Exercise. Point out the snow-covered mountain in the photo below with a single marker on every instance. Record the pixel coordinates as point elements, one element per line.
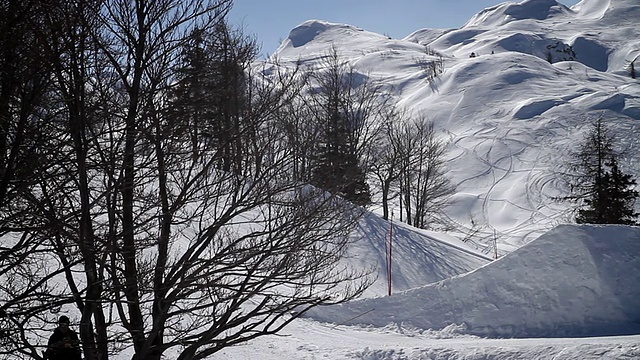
<point>509,115</point>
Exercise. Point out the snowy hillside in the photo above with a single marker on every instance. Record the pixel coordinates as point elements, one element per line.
<point>419,257</point>
<point>508,114</point>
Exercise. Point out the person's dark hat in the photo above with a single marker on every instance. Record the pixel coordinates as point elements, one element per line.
<point>63,320</point>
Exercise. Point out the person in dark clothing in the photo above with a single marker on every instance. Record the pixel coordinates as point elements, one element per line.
<point>63,343</point>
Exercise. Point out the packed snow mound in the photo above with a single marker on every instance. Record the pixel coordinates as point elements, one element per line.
<point>509,11</point>
<point>572,281</point>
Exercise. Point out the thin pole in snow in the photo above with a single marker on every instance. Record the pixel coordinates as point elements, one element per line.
<point>390,253</point>
<point>495,245</point>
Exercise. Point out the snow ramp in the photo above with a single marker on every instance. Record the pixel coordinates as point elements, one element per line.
<point>572,281</point>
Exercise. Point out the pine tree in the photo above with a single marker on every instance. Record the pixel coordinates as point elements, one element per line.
<point>189,96</point>
<point>337,169</point>
<point>209,97</point>
<point>344,109</point>
<point>621,196</point>
<point>596,210</point>
<point>606,191</point>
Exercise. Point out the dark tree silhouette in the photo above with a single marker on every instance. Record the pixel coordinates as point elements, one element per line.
<point>596,180</point>
<point>347,107</point>
<point>613,201</point>
<point>153,238</point>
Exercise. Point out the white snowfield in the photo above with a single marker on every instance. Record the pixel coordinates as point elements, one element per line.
<point>510,117</point>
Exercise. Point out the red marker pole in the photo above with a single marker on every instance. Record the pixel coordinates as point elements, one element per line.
<point>390,252</point>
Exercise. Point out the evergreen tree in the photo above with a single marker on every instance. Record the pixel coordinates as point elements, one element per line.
<point>596,210</point>
<point>337,169</point>
<point>617,204</point>
<point>622,196</point>
<point>598,181</point>
<point>345,105</point>
<point>210,96</point>
<point>189,97</point>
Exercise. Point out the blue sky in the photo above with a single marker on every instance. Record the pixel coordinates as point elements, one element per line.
<point>271,20</point>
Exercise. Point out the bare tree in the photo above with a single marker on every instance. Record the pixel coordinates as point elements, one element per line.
<point>27,110</point>
<point>424,186</point>
<point>409,162</point>
<point>24,85</point>
<point>134,229</point>
<point>387,166</point>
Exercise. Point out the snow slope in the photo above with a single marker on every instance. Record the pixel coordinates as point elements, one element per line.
<point>572,281</point>
<point>508,115</point>
<point>419,257</point>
